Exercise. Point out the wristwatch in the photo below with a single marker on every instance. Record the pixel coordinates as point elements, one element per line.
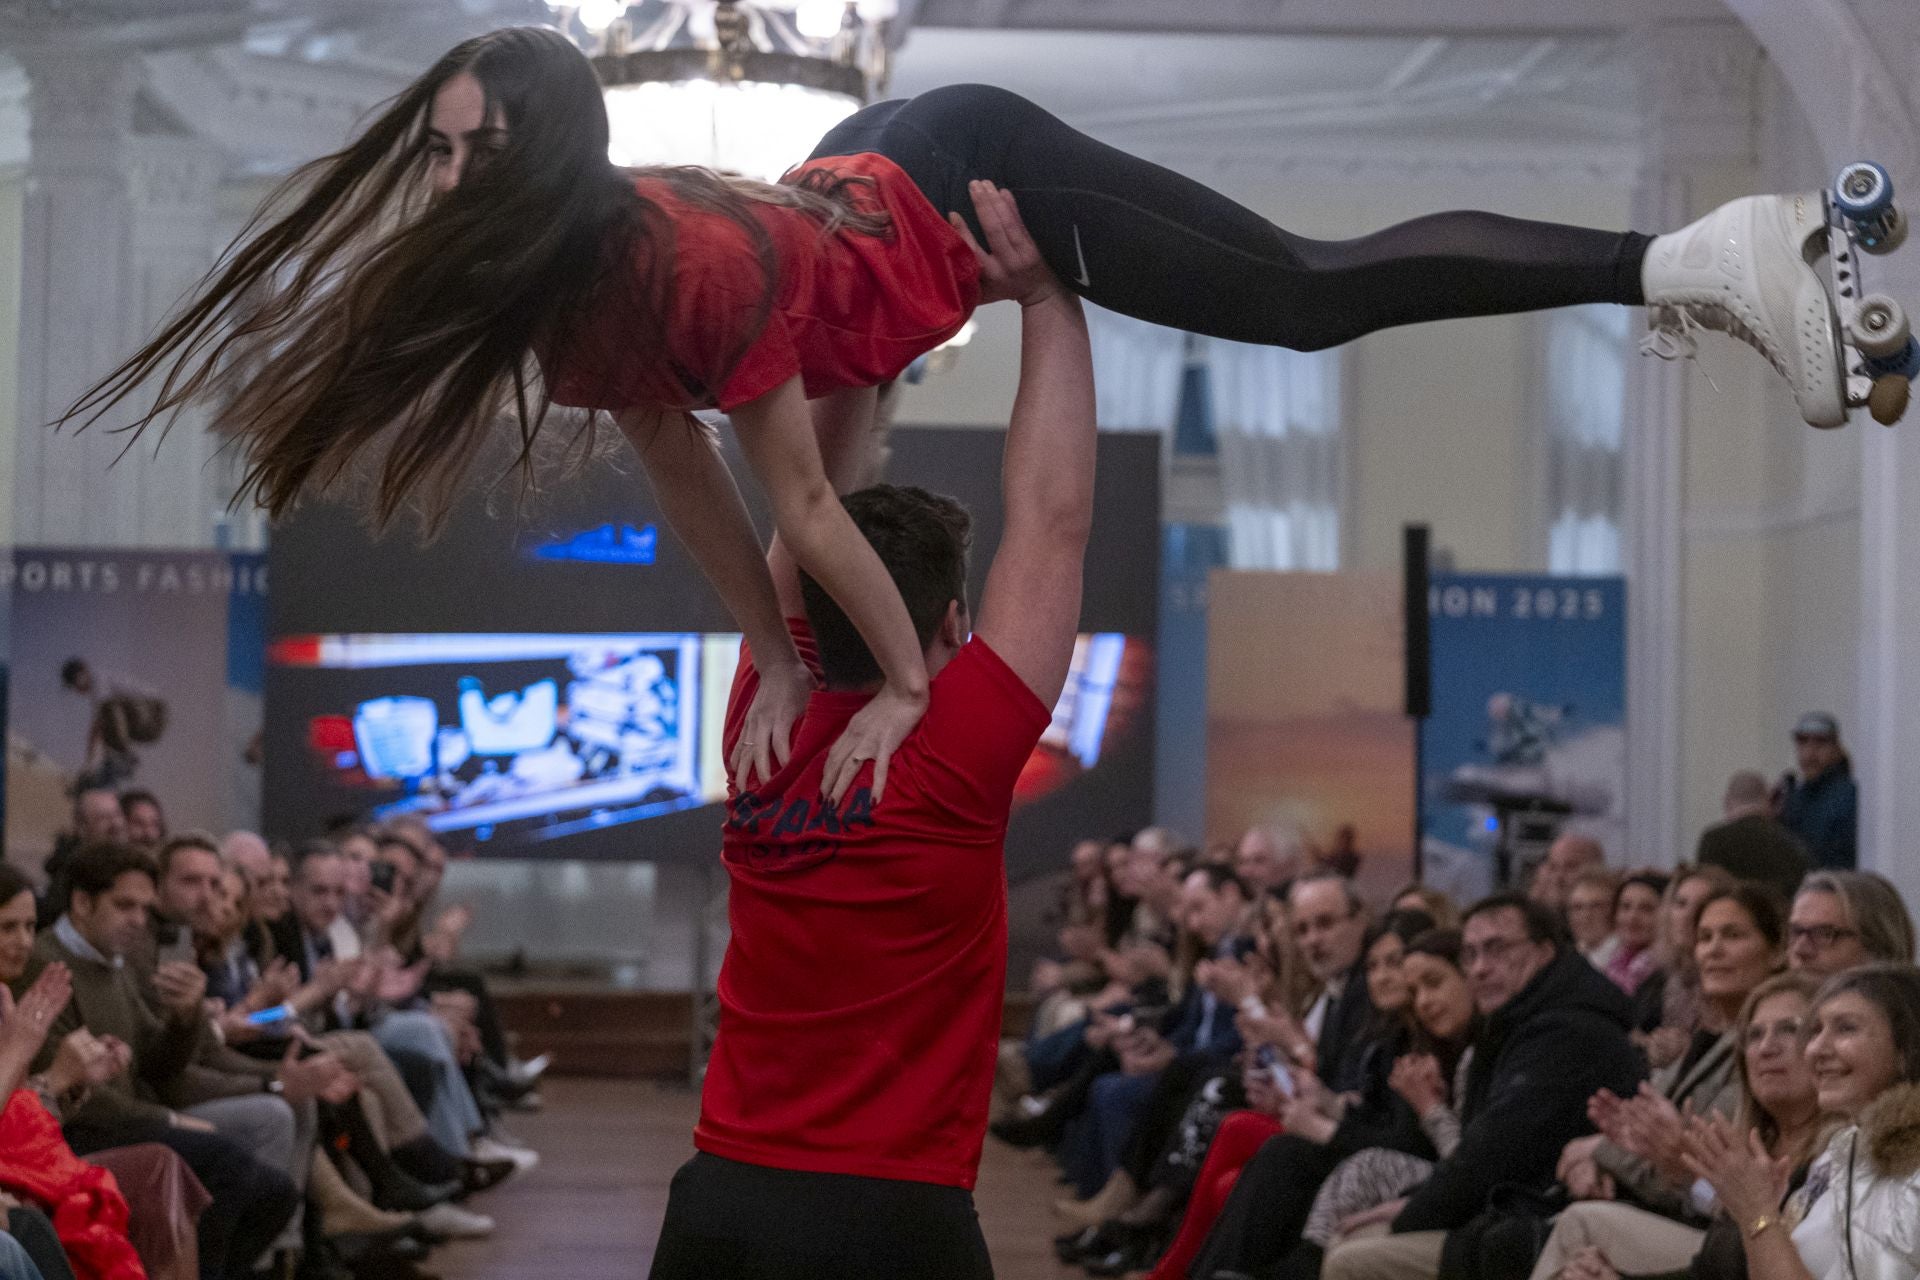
<point>1762,1223</point>
<point>272,1084</point>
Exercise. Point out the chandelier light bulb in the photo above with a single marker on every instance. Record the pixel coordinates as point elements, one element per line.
<point>598,15</point>
<point>819,19</point>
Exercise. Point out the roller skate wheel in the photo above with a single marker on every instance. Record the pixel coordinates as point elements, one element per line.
<point>1880,327</point>
<point>1892,233</point>
<point>1887,401</point>
<point>1863,191</point>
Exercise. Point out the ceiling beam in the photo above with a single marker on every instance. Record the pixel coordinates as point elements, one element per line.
<point>1319,17</point>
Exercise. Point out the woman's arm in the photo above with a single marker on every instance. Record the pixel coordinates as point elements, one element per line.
<point>777,435</point>
<point>702,505</point>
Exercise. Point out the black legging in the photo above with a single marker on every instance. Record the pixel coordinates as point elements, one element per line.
<point>731,1221</point>
<point>1146,242</point>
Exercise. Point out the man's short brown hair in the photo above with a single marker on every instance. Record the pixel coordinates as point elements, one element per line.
<point>922,538</point>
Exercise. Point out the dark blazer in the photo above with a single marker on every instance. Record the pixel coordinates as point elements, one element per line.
<point>1341,1050</point>
<point>1756,848</point>
<point>1184,1022</point>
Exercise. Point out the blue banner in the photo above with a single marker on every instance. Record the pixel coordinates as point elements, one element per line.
<point>1527,735</point>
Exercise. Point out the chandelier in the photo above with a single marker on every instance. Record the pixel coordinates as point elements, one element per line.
<point>743,86</point>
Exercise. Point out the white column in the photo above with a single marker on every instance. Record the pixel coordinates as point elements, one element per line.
<point>1697,107</point>
<point>118,225</point>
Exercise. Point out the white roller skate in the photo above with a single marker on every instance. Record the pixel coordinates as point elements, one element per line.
<point>1745,270</point>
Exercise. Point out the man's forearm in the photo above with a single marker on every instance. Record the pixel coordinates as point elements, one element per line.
<point>1052,438</point>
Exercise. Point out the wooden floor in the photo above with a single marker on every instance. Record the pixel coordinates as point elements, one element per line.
<point>608,1148</point>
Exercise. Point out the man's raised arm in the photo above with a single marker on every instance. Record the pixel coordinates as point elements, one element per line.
<point>1030,612</point>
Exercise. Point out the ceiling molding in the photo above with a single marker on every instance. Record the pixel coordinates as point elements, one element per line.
<point>1295,17</point>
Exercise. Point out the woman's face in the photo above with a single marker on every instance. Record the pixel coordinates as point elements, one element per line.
<point>16,935</point>
<point>1384,983</point>
<point>1776,1052</point>
<point>1686,900</point>
<point>1441,998</point>
<point>359,852</point>
<point>1852,1054</point>
<point>1637,917</point>
<point>1733,956</point>
<point>459,131</point>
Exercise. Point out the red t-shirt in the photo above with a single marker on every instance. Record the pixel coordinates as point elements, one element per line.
<point>862,989</point>
<point>848,309</point>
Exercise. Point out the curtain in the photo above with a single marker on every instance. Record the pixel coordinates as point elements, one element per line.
<point>1136,371</point>
<point>1584,390</point>
<point>1277,418</point>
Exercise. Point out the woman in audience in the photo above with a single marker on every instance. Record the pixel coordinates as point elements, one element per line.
<point>1859,1212</point>
<point>1600,1240</point>
<point>270,898</point>
<point>1844,919</point>
<point>1669,1005</point>
<point>1636,925</point>
<point>1368,1187</point>
<point>1739,942</point>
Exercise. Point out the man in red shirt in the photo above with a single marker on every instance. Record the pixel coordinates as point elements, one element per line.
<point>846,1102</point>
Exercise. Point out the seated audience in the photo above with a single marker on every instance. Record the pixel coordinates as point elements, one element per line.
<point>96,816</point>
<point>1603,1239</point>
<point>146,820</point>
<point>1844,919</point>
<point>160,1026</point>
<point>1566,858</point>
<point>1435,902</point>
<point>1858,1215</point>
<point>1266,859</point>
<point>1555,1034</point>
<point>1636,930</point>
<point>1750,843</point>
<point>1667,1007</point>
<point>1590,915</point>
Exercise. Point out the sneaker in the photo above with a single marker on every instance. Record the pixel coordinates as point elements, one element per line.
<point>1743,270</point>
<point>486,1150</point>
<point>529,1071</point>
<point>454,1223</point>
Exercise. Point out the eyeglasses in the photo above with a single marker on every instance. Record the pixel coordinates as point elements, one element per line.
<point>1820,935</point>
<point>1493,951</point>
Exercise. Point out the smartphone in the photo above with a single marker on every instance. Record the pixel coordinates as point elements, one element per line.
<point>176,947</point>
<point>270,1017</point>
<point>380,875</point>
<point>1268,1059</point>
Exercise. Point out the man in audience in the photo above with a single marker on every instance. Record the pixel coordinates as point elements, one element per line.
<point>1822,805</point>
<point>1750,844</point>
<point>845,1107</point>
<point>1556,1033</point>
<point>146,820</point>
<point>1160,1065</point>
<point>1330,927</point>
<point>1266,859</point>
<point>158,1030</point>
<point>1566,858</point>
<point>96,817</point>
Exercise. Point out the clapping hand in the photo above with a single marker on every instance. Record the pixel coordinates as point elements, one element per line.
<point>1742,1172</point>
<point>1416,1077</point>
<point>83,1060</point>
<point>180,987</point>
<point>24,1024</point>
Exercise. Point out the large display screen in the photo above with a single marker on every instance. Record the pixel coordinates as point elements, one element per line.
<point>555,685</point>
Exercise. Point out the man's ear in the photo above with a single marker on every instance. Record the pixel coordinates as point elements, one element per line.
<point>953,627</point>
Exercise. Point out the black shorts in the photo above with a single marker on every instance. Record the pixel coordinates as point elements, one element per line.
<point>732,1221</point>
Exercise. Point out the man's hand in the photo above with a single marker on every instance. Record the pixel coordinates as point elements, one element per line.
<point>278,981</point>
<point>1367,1217</point>
<point>1416,1077</point>
<point>1230,980</point>
<point>1305,1120</point>
<point>1010,266</point>
<point>180,988</point>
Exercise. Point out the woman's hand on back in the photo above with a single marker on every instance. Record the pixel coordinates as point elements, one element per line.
<point>875,733</point>
<point>766,740</point>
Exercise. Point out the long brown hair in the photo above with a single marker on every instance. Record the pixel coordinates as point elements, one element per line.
<point>358,317</point>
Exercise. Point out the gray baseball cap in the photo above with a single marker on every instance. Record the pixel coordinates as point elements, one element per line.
<point>1817,724</point>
